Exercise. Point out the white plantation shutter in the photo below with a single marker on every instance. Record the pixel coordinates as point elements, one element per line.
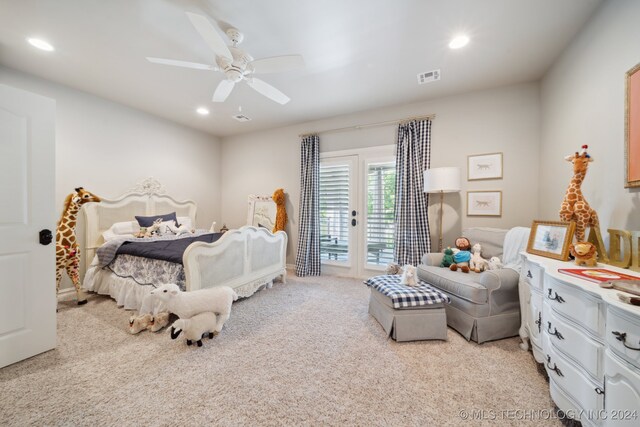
<point>334,211</point>
<point>380,212</point>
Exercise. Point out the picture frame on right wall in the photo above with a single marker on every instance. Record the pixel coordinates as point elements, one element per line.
<point>484,203</point>
<point>632,127</point>
<point>484,166</point>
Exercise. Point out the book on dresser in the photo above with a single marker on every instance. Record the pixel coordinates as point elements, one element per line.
<point>597,275</point>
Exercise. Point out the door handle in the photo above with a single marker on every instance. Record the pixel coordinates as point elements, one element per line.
<point>45,237</point>
<point>353,213</point>
<point>353,222</point>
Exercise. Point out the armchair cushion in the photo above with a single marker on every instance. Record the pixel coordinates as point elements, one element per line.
<point>462,285</point>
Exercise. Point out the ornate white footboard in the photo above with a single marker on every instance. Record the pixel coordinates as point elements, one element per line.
<point>244,259</point>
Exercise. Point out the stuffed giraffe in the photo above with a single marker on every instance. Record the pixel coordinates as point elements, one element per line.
<point>574,206</point>
<point>67,251</point>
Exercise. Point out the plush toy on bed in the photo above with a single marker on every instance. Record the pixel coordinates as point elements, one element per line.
<point>447,259</point>
<point>463,256</point>
<point>409,276</point>
<point>195,328</point>
<point>477,263</point>
<point>281,210</point>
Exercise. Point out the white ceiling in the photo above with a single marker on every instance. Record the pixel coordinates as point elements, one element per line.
<point>359,54</point>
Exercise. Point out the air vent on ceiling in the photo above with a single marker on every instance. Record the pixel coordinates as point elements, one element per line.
<point>241,118</point>
<point>428,77</point>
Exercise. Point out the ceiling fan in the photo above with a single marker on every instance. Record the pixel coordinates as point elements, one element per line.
<point>236,64</point>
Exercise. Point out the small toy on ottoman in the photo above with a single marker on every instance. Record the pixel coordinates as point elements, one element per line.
<point>408,276</point>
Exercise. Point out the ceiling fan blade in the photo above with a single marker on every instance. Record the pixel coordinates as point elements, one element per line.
<point>210,35</point>
<point>277,64</point>
<point>269,91</point>
<point>223,90</point>
<point>184,64</point>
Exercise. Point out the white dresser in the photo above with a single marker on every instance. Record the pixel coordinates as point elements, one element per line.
<point>588,340</point>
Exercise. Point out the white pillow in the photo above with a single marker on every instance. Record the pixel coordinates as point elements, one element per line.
<point>121,229</point>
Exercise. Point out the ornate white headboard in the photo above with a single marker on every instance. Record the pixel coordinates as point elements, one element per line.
<point>146,198</point>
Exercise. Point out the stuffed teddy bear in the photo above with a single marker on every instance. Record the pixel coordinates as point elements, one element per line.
<point>408,276</point>
<point>477,263</point>
<point>585,253</point>
<point>494,263</point>
<point>281,210</point>
<point>461,259</point>
<point>393,268</point>
<point>447,259</point>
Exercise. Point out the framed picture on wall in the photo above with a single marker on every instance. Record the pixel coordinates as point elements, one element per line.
<point>484,166</point>
<point>484,203</point>
<point>261,212</point>
<point>632,127</point>
<point>551,239</point>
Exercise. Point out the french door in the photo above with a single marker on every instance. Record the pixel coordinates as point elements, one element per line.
<point>357,199</point>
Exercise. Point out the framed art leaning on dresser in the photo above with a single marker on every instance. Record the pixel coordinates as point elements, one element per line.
<point>551,239</point>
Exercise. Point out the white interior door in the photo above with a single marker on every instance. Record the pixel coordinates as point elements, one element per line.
<point>27,186</point>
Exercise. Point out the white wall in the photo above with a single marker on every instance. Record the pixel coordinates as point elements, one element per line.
<point>107,148</point>
<point>582,102</point>
<point>499,120</point>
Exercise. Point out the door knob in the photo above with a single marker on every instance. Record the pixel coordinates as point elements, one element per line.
<point>353,213</point>
<point>45,237</point>
<point>353,222</point>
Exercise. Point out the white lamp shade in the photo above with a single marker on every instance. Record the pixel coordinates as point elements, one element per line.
<point>445,180</point>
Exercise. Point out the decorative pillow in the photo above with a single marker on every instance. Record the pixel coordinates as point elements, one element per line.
<point>185,220</point>
<point>147,221</point>
<point>121,229</point>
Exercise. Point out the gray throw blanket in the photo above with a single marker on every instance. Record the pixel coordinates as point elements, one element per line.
<point>107,252</point>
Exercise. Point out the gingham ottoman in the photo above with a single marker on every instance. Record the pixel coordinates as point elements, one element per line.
<point>408,313</point>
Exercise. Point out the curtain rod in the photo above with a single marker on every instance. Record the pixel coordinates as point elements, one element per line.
<point>368,125</point>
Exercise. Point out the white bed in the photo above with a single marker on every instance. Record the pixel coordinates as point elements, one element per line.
<point>246,259</point>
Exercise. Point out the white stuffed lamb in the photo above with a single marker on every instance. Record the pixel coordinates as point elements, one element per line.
<point>408,276</point>
<point>495,263</point>
<point>187,304</point>
<point>477,263</point>
<point>195,328</point>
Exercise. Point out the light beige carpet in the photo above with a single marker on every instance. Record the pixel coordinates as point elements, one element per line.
<point>302,353</point>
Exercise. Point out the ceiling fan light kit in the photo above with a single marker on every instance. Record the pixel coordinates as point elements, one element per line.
<point>236,64</point>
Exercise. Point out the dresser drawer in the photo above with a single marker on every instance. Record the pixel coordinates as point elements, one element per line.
<point>622,392</point>
<point>573,342</point>
<point>573,381</point>
<point>533,274</point>
<point>575,304</point>
<point>623,335</point>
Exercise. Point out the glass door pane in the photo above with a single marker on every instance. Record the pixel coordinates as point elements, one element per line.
<point>380,212</point>
<point>335,215</point>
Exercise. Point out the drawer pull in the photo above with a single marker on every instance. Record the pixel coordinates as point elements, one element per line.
<point>622,336</point>
<point>555,367</point>
<point>599,390</point>
<point>555,298</point>
<point>555,332</point>
<point>529,275</point>
<point>539,322</point>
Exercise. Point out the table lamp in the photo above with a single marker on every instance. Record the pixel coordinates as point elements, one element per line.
<point>442,180</point>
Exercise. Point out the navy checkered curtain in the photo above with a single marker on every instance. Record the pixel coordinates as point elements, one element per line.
<point>413,152</point>
<point>308,256</point>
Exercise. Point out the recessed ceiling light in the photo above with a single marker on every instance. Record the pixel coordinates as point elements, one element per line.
<point>202,111</point>
<point>459,41</point>
<point>40,44</point>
